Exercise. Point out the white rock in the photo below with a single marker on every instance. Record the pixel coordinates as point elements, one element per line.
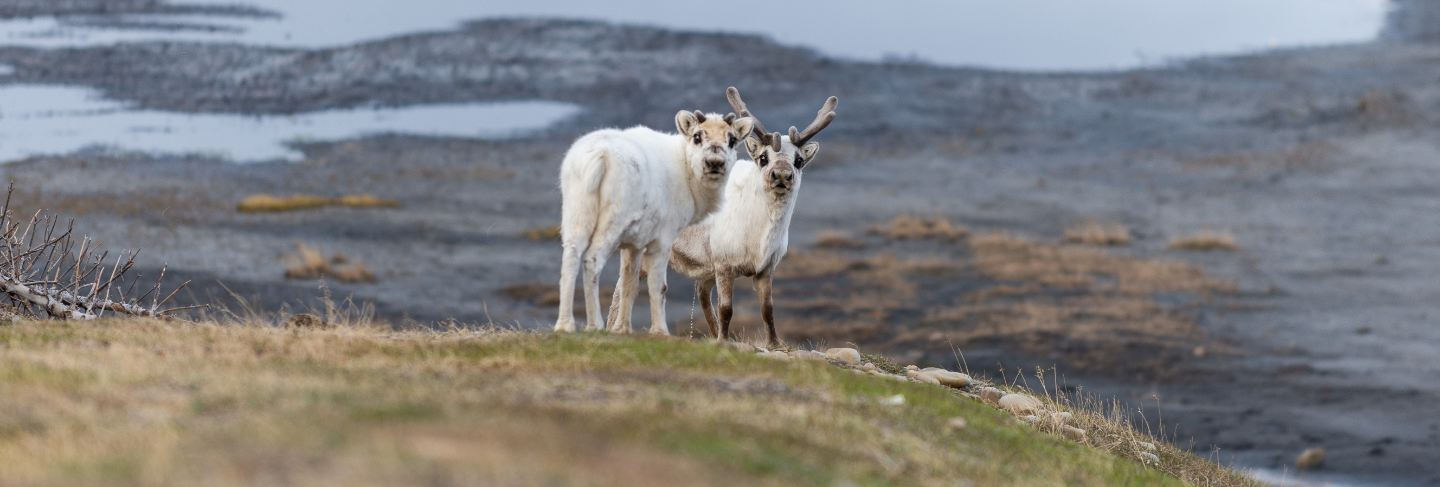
<point>1061,417</point>
<point>1073,433</point>
<point>1148,458</point>
<point>911,367</point>
<point>948,377</point>
<point>991,395</point>
<point>895,400</point>
<point>1148,446</point>
<point>1020,404</point>
<point>847,356</point>
<point>1031,419</point>
<point>869,367</point>
<point>922,377</point>
<point>956,423</point>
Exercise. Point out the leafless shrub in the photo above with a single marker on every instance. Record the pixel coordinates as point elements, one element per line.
<point>47,272</point>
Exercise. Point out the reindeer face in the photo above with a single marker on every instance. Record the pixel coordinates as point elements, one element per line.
<point>710,142</point>
<point>781,163</point>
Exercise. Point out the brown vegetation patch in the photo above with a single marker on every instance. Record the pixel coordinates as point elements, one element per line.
<point>310,263</point>
<point>835,239</point>
<point>264,203</point>
<point>543,233</point>
<point>1306,155</point>
<point>1206,241</point>
<point>1098,233</point>
<point>910,227</point>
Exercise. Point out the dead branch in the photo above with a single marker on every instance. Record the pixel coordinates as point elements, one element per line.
<point>47,273</point>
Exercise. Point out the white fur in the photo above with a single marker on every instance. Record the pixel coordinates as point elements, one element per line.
<point>635,189</point>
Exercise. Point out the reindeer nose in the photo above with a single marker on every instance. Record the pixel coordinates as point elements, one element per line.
<point>715,165</point>
<point>783,175</point>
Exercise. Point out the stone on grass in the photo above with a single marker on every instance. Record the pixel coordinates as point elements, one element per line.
<point>1061,417</point>
<point>848,356</point>
<point>1030,419</point>
<point>1020,404</point>
<point>1148,446</point>
<point>956,423</point>
<point>911,367</point>
<point>948,377</point>
<point>923,377</point>
<point>991,395</point>
<point>869,367</point>
<point>1073,433</point>
<point>1310,459</point>
<point>1148,458</point>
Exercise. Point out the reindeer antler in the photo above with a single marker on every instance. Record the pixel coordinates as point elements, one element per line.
<point>822,120</point>
<point>758,129</point>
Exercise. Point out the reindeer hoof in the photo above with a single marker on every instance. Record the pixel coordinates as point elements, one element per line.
<point>564,326</point>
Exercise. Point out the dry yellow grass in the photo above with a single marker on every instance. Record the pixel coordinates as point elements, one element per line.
<point>264,203</point>
<point>1205,241</point>
<point>835,239</point>
<point>1098,234</point>
<point>309,263</point>
<point>910,227</point>
<point>138,402</point>
<point>1007,257</point>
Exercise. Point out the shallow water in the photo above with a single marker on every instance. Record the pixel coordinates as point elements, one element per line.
<point>1009,34</point>
<point>53,120</point>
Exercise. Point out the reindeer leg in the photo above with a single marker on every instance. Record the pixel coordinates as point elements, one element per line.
<point>726,285</point>
<point>763,286</point>
<point>623,300</point>
<point>702,291</point>
<point>657,259</point>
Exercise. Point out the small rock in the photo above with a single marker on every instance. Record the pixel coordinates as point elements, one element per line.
<point>991,395</point>
<point>847,356</point>
<point>775,355</point>
<point>1310,459</point>
<point>1030,419</point>
<point>1199,352</point>
<point>807,355</point>
<point>922,377</point>
<point>1061,417</point>
<point>1073,433</point>
<point>956,423</point>
<point>1147,446</point>
<point>911,367</point>
<point>948,377</point>
<point>1148,458</point>
<point>741,347</point>
<point>1020,404</point>
<point>869,367</point>
<point>895,400</point>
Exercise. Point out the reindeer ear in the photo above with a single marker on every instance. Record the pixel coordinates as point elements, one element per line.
<point>754,146</point>
<point>806,155</point>
<point>685,122</point>
<point>743,126</point>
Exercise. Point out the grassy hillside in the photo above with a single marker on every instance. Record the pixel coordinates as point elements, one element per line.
<point>151,403</point>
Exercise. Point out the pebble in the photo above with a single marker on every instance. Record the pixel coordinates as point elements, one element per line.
<point>774,355</point>
<point>1073,433</point>
<point>956,423</point>
<point>1310,459</point>
<point>923,377</point>
<point>1148,446</point>
<point>991,395</point>
<point>895,400</point>
<point>847,356</point>
<point>1148,458</point>
<point>948,377</point>
<point>869,367</point>
<point>1020,403</point>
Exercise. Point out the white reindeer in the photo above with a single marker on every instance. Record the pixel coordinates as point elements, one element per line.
<point>749,234</point>
<point>634,189</point>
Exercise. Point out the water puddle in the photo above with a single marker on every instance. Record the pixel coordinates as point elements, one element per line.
<point>56,120</point>
<point>1010,34</point>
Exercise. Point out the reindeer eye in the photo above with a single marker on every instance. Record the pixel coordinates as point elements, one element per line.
<point>799,161</point>
<point>733,140</point>
<point>764,159</point>
<point>696,139</point>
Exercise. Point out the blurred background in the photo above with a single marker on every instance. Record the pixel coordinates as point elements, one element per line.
<point>1220,213</point>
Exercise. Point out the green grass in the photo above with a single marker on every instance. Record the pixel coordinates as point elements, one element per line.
<point>149,403</point>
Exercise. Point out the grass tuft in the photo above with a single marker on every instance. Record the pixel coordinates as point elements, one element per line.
<point>264,203</point>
